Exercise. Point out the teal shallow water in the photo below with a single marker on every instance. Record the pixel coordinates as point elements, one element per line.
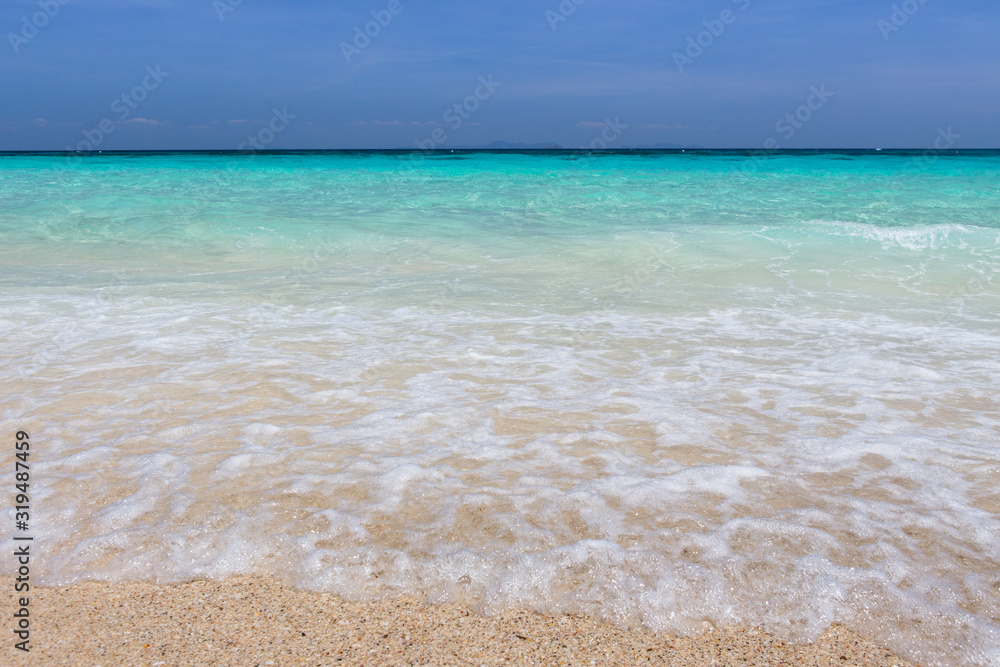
<point>656,388</point>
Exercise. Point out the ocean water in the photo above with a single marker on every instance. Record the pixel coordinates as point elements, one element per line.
<point>663,389</point>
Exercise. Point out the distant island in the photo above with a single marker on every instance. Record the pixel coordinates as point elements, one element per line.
<point>502,145</point>
<point>507,145</point>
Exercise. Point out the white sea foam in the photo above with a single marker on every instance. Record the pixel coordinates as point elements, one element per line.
<point>649,470</point>
<point>925,237</point>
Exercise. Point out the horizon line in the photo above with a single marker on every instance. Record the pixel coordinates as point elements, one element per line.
<point>554,149</point>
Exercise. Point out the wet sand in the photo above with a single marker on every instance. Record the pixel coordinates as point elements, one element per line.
<point>254,621</point>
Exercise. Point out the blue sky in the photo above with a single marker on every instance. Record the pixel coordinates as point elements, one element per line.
<point>221,73</point>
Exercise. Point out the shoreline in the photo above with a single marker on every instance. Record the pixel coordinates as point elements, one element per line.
<point>258,621</point>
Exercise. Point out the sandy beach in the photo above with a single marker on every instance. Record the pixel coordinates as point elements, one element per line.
<point>252,621</point>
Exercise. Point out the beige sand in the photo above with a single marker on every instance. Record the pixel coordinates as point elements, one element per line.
<point>251,621</point>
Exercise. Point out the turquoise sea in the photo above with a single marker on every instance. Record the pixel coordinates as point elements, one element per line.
<point>659,388</point>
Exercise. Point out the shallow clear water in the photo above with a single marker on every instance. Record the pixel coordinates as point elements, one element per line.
<point>661,389</point>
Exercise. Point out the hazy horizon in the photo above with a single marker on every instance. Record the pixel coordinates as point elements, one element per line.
<point>393,74</point>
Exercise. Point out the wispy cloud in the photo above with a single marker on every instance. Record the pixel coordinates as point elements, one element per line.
<point>398,123</point>
<point>655,126</point>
